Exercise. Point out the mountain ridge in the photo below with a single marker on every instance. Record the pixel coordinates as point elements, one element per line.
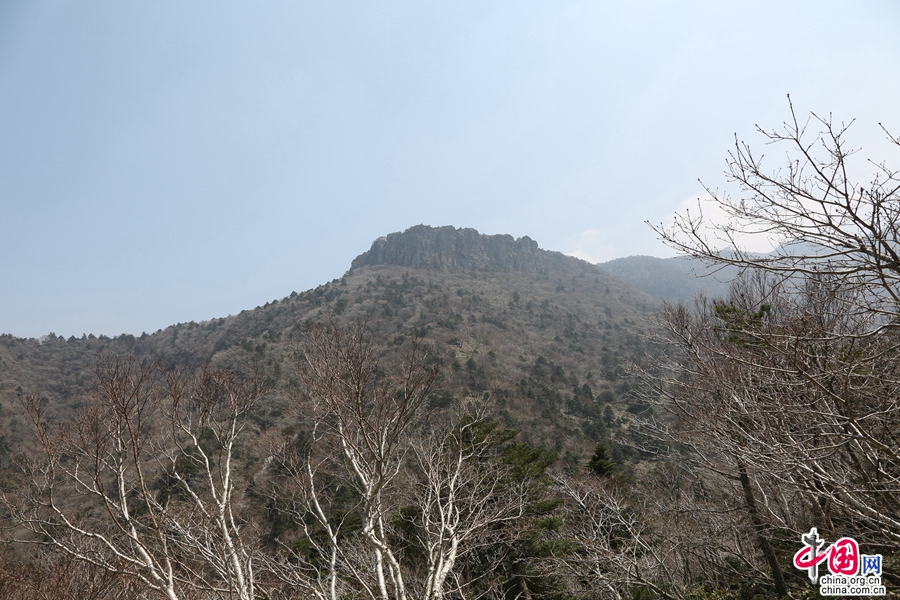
<point>450,248</point>
<point>675,279</point>
<point>447,248</point>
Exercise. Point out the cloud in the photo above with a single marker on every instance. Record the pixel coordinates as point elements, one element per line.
<point>590,245</point>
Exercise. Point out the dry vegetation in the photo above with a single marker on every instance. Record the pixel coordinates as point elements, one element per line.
<point>412,433</point>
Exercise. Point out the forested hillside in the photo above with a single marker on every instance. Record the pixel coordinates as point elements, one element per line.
<point>463,416</point>
<point>531,344</point>
<point>545,335</point>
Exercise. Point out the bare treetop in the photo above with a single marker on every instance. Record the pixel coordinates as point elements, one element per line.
<point>827,222</point>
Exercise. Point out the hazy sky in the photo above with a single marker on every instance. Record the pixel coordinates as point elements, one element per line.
<point>163,162</point>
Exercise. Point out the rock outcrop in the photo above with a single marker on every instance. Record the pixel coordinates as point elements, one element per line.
<point>449,248</point>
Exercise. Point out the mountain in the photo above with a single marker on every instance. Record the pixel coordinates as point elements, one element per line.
<point>449,249</point>
<point>676,279</point>
<point>541,336</point>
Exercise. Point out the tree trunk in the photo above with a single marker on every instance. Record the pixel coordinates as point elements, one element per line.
<point>761,539</point>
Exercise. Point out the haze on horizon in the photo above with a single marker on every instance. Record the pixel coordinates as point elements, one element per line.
<point>167,162</point>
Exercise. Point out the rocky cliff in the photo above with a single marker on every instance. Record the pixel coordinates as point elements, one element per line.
<point>450,249</point>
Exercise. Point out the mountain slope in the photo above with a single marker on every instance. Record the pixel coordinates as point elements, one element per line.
<point>539,335</point>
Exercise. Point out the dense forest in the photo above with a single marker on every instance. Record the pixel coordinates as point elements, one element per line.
<point>464,416</point>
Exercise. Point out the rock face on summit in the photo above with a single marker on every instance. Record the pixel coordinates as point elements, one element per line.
<point>449,248</point>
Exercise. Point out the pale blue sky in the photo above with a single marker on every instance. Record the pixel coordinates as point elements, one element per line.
<point>163,162</point>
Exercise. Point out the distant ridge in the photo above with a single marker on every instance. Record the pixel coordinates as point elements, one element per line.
<point>674,279</point>
<point>450,249</point>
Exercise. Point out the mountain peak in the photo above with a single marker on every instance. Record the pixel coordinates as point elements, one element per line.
<point>449,249</point>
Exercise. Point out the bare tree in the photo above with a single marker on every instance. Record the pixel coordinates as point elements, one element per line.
<point>670,534</point>
<point>142,482</point>
<point>796,371</point>
<point>464,500</point>
<point>808,345</point>
<point>390,504</point>
<point>359,414</point>
<point>617,550</point>
<point>50,576</point>
<point>829,225</point>
<point>797,394</point>
<point>366,412</point>
<point>207,413</point>
<point>789,387</point>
